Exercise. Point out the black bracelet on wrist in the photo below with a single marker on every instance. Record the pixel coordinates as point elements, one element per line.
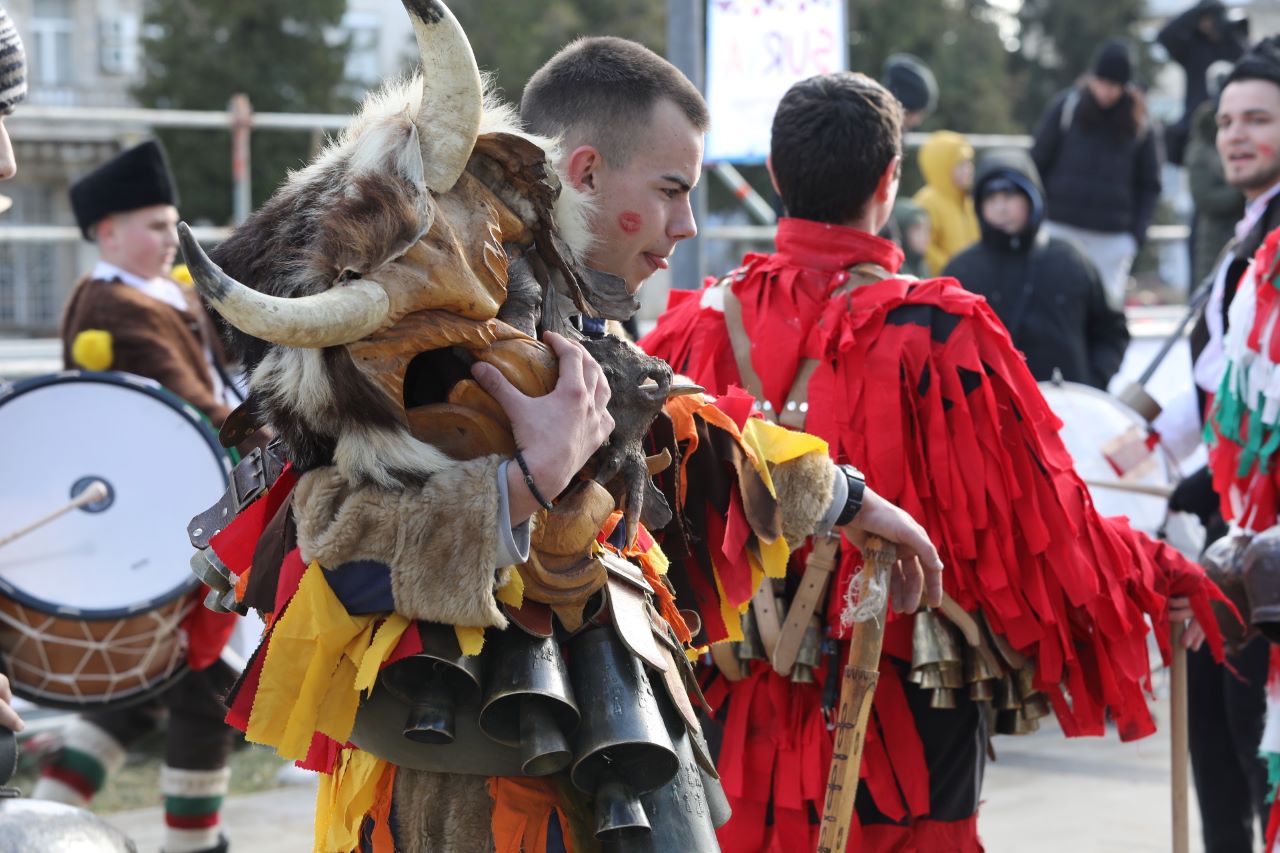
<point>528,481</point>
<point>853,501</point>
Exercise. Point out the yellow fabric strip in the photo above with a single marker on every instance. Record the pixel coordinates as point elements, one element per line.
<point>319,659</point>
<point>385,639</point>
<point>470,640</point>
<point>344,798</point>
<point>729,612</point>
<point>772,445</point>
<point>512,592</point>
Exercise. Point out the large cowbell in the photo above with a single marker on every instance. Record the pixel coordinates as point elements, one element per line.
<point>684,813</point>
<point>622,747</point>
<point>433,683</point>
<point>529,701</point>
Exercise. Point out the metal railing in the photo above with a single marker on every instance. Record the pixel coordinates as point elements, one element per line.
<point>240,120</point>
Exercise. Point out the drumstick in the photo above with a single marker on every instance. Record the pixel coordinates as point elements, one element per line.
<point>1139,488</point>
<point>96,491</point>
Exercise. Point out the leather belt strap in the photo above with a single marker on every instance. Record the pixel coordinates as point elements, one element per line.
<point>741,346</point>
<point>813,587</point>
<point>249,480</point>
<point>768,621</point>
<point>782,644</point>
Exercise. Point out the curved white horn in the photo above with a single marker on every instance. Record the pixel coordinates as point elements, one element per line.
<point>452,98</point>
<point>340,315</point>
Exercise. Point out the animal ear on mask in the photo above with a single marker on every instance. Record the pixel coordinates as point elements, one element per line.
<point>392,148</point>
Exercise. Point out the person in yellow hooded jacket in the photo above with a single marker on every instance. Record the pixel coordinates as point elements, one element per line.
<point>946,161</point>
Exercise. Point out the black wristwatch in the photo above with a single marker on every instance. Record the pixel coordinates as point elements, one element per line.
<point>853,501</point>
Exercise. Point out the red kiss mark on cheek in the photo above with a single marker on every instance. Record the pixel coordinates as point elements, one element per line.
<point>1267,150</point>
<point>629,221</point>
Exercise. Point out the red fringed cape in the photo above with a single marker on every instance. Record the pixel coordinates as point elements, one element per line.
<point>920,386</point>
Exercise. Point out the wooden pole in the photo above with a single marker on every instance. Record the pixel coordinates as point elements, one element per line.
<point>857,690</point>
<point>1178,737</point>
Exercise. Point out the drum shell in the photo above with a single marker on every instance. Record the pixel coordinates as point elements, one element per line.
<point>44,664</point>
<point>92,604</point>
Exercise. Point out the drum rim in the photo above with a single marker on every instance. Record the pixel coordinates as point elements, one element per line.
<point>124,700</point>
<point>153,389</point>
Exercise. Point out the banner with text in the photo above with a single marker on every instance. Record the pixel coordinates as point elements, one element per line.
<point>755,50</point>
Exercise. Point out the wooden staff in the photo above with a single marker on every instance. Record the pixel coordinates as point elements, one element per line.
<point>857,689</point>
<point>1179,743</point>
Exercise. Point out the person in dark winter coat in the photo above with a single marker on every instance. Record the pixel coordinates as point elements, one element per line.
<point>1043,288</point>
<point>1097,154</point>
<point>1195,39</point>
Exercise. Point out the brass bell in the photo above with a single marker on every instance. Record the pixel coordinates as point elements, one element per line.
<point>932,642</point>
<point>750,647</point>
<point>1036,707</point>
<point>432,682</point>
<point>529,702</point>
<point>943,698</point>
<point>982,691</point>
<point>1025,679</point>
<point>622,748</point>
<point>928,678</point>
<point>809,655</point>
<point>1007,698</point>
<point>952,675</point>
<point>1014,723</point>
<point>980,665</point>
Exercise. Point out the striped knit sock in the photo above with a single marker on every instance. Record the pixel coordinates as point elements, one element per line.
<point>192,800</point>
<point>79,770</point>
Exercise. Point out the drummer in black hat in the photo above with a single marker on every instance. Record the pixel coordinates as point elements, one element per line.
<point>130,315</point>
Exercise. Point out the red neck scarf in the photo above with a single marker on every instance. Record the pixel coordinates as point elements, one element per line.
<point>783,294</point>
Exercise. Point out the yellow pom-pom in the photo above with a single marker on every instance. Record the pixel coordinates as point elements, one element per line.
<point>182,275</point>
<point>92,350</point>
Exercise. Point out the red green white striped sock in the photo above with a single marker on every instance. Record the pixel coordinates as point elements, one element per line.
<point>79,770</point>
<point>192,802</point>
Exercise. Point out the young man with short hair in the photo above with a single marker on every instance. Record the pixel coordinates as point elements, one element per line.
<point>915,382</point>
<point>1227,708</point>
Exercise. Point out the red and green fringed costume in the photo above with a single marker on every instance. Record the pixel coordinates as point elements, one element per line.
<point>1243,434</point>
<point>919,385</point>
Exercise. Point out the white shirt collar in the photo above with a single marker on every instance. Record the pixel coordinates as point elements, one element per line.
<point>1253,211</point>
<point>163,289</point>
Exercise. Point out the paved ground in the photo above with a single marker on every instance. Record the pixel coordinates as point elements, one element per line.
<point>1045,794</point>
<point>1048,794</point>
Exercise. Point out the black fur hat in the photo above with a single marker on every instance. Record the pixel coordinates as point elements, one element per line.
<point>138,177</point>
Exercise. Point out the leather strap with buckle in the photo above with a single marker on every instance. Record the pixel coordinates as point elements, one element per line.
<point>249,480</point>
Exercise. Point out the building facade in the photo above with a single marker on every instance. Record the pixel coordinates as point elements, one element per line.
<point>87,54</point>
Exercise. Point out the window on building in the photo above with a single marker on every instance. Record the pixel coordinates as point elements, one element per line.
<point>118,45</point>
<point>50,49</point>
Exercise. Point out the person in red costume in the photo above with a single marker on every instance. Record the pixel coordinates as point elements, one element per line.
<point>917,383</point>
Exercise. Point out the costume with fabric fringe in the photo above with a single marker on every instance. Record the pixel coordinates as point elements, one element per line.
<point>462,685</point>
<point>918,385</point>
